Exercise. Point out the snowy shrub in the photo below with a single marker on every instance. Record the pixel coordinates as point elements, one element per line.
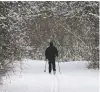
<point>93,65</point>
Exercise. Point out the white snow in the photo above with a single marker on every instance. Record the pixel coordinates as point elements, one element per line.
<point>74,77</point>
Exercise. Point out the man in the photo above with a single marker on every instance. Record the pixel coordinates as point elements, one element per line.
<point>50,54</point>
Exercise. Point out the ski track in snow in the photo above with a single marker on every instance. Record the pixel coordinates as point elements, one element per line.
<point>75,77</point>
<point>55,84</point>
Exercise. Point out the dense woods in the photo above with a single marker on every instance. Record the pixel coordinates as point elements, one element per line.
<point>26,28</point>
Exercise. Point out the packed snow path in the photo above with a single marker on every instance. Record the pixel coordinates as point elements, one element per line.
<point>75,77</point>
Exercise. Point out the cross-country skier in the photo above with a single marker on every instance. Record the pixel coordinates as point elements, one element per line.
<point>50,54</point>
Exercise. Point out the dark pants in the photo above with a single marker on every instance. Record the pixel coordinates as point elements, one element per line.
<point>52,65</point>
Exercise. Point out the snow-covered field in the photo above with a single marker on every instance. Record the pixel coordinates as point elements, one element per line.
<point>74,77</point>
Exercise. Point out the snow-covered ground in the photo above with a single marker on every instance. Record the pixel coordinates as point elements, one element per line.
<point>75,77</point>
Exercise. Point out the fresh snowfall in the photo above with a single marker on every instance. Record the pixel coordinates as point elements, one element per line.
<point>30,77</point>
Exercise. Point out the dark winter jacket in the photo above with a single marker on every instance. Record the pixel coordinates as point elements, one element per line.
<point>51,52</point>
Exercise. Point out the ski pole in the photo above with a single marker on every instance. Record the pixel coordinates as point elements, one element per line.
<point>59,67</point>
<point>45,67</point>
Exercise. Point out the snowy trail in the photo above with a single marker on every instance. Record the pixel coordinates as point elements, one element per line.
<point>55,84</point>
<point>75,77</point>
